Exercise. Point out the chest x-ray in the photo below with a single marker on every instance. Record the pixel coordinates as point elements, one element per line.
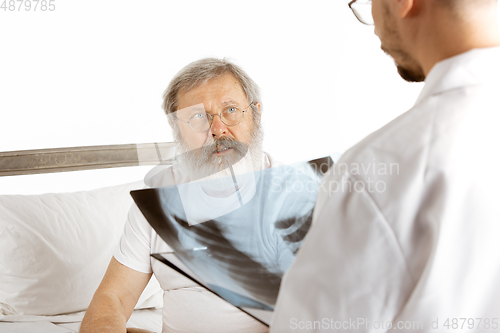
<point>236,235</point>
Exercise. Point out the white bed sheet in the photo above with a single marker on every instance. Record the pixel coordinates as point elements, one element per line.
<point>150,319</point>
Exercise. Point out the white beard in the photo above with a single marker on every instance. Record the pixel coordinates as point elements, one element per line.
<point>202,164</point>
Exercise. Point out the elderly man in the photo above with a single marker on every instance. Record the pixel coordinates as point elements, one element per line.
<point>224,184</point>
<point>422,254</point>
<point>220,88</point>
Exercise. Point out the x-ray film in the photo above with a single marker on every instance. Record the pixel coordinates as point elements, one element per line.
<point>236,235</point>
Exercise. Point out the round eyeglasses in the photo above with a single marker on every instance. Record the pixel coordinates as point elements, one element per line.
<point>230,116</point>
<point>362,9</point>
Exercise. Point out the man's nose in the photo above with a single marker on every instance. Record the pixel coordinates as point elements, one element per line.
<point>218,128</point>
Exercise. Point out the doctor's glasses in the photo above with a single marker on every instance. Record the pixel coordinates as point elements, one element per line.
<point>362,9</point>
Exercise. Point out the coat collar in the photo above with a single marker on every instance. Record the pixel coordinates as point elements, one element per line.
<point>470,68</point>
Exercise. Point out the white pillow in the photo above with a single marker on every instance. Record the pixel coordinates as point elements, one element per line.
<point>55,248</point>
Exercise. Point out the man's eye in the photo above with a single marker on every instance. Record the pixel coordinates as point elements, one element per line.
<point>230,110</point>
<point>198,116</point>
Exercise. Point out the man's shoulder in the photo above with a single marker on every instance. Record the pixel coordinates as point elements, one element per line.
<point>160,176</point>
<point>392,140</point>
<point>453,88</point>
<point>428,135</point>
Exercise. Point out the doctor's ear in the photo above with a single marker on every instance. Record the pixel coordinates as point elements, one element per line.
<point>405,8</point>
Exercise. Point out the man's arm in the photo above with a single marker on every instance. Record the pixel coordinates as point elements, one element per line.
<point>349,267</point>
<point>115,299</point>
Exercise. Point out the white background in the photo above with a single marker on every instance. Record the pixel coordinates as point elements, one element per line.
<point>93,73</point>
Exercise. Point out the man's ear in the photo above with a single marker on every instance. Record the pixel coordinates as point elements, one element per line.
<point>257,105</point>
<point>405,8</point>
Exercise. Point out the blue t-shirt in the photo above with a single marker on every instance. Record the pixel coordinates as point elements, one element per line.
<point>241,242</point>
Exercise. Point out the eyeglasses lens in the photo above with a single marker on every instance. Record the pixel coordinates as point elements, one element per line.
<point>201,122</point>
<point>363,11</point>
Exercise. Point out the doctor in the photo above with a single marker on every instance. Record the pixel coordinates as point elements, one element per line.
<point>420,251</point>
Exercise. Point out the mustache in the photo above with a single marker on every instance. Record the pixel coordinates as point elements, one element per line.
<point>225,142</point>
<point>205,161</point>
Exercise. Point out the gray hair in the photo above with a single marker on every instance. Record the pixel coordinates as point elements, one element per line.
<point>198,73</point>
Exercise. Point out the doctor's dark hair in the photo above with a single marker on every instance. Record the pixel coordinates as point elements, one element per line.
<point>198,73</point>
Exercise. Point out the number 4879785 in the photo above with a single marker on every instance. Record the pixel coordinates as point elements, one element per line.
<point>28,5</point>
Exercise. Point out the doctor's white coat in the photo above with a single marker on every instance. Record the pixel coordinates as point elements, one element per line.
<point>406,231</point>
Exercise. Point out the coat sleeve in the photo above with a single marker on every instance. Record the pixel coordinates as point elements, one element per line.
<point>350,271</point>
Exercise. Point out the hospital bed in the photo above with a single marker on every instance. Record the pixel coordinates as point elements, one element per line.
<point>55,247</point>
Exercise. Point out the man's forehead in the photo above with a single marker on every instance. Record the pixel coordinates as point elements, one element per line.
<point>218,89</point>
<point>230,102</point>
